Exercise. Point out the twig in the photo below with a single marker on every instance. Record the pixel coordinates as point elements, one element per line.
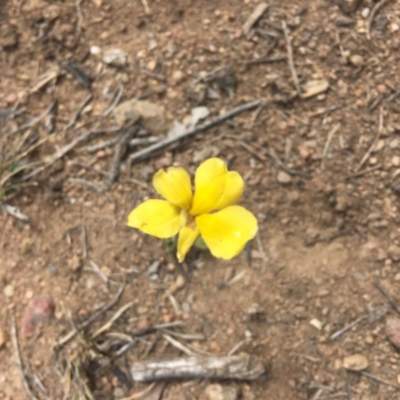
<point>84,182</point>
<point>347,327</point>
<point>290,58</point>
<point>328,142</point>
<point>114,102</point>
<point>32,122</point>
<point>380,380</point>
<point>254,17</point>
<point>120,149</point>
<point>84,241</point>
<point>78,112</point>
<point>374,143</point>
<point>109,324</point>
<point>236,348</point>
<point>364,171</point>
<point>90,320</point>
<point>390,298</point>
<point>265,60</point>
<point>240,367</point>
<point>96,269</point>
<point>255,115</point>
<point>60,153</point>
<point>199,128</point>
<point>80,20</point>
<point>374,11</point>
<point>146,7</point>
<point>13,211</point>
<point>18,360</point>
<point>178,345</point>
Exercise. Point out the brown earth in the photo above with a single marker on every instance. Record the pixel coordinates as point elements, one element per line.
<point>327,233</point>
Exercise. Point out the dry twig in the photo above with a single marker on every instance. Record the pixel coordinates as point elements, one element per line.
<point>18,360</point>
<point>374,11</point>
<point>328,142</point>
<point>392,301</point>
<point>347,327</point>
<point>199,128</point>
<point>78,112</point>
<point>114,102</point>
<point>374,143</point>
<point>290,58</point>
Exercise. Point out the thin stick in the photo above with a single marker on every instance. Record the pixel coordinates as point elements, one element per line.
<point>347,327</point>
<point>78,112</point>
<point>200,128</point>
<point>328,142</point>
<point>374,11</point>
<point>29,124</point>
<point>17,354</point>
<point>146,7</point>
<point>91,319</point>
<point>178,345</point>
<point>380,380</point>
<point>84,242</point>
<point>390,298</point>
<point>364,171</point>
<point>13,211</point>
<point>374,143</point>
<point>96,269</point>
<point>114,102</point>
<point>290,58</point>
<point>109,324</point>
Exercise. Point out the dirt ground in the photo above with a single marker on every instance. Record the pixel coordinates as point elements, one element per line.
<point>321,172</point>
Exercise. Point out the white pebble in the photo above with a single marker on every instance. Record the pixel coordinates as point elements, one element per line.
<point>95,50</point>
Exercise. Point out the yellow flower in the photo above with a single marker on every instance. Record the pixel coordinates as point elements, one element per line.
<point>209,213</point>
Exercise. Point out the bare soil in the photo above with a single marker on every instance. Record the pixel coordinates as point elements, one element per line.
<point>329,227</point>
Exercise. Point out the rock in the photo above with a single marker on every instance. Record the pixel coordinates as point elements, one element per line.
<point>313,88</point>
<point>283,177</point>
<point>316,323</point>
<point>177,129</point>
<point>115,57</point>
<point>95,50</point>
<point>219,392</point>
<point>178,76</point>
<point>152,115</point>
<point>39,309</point>
<point>9,291</point>
<point>152,270</point>
<point>365,12</point>
<point>396,161</point>
<point>180,281</point>
<point>394,252</point>
<point>356,60</point>
<point>197,114</point>
<point>393,331</point>
<point>74,263</point>
<point>377,313</point>
<point>342,20</point>
<point>355,362</point>
<point>2,338</point>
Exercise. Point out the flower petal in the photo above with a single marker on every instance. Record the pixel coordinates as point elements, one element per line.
<point>226,232</point>
<point>158,218</point>
<point>215,187</point>
<point>187,236</point>
<point>174,185</point>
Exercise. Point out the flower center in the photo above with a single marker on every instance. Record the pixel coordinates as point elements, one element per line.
<point>187,219</point>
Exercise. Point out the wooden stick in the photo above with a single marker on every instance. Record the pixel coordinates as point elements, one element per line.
<point>166,142</point>
<point>374,143</point>
<point>290,58</point>
<point>240,367</point>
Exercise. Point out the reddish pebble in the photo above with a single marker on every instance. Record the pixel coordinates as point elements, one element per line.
<point>11,98</point>
<point>381,89</point>
<point>39,309</point>
<point>101,154</point>
<point>144,323</point>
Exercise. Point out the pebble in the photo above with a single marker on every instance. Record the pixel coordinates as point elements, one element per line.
<point>394,252</point>
<point>356,60</point>
<point>219,392</point>
<point>115,57</point>
<point>355,362</point>
<point>393,331</point>
<point>9,291</point>
<point>153,267</point>
<point>381,88</point>
<point>178,76</point>
<point>11,98</point>
<point>365,12</point>
<point>2,338</point>
<point>95,50</point>
<point>396,161</point>
<point>316,323</point>
<point>283,177</point>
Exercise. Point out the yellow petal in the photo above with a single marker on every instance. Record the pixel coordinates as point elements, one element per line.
<point>158,218</point>
<point>174,185</point>
<point>226,232</point>
<point>187,236</point>
<point>215,187</point>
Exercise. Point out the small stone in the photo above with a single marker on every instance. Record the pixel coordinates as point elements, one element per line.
<point>393,331</point>
<point>9,291</point>
<point>74,263</point>
<point>95,50</point>
<point>153,268</point>
<point>118,393</point>
<point>180,281</point>
<point>316,323</point>
<point>369,339</point>
<point>394,252</point>
<point>365,12</point>
<point>115,57</point>
<point>283,177</point>
<point>152,116</point>
<point>11,98</point>
<point>397,277</point>
<point>178,76</point>
<point>373,161</point>
<point>2,338</point>
<point>396,161</point>
<point>355,362</point>
<point>381,89</point>
<point>219,392</point>
<point>356,60</point>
